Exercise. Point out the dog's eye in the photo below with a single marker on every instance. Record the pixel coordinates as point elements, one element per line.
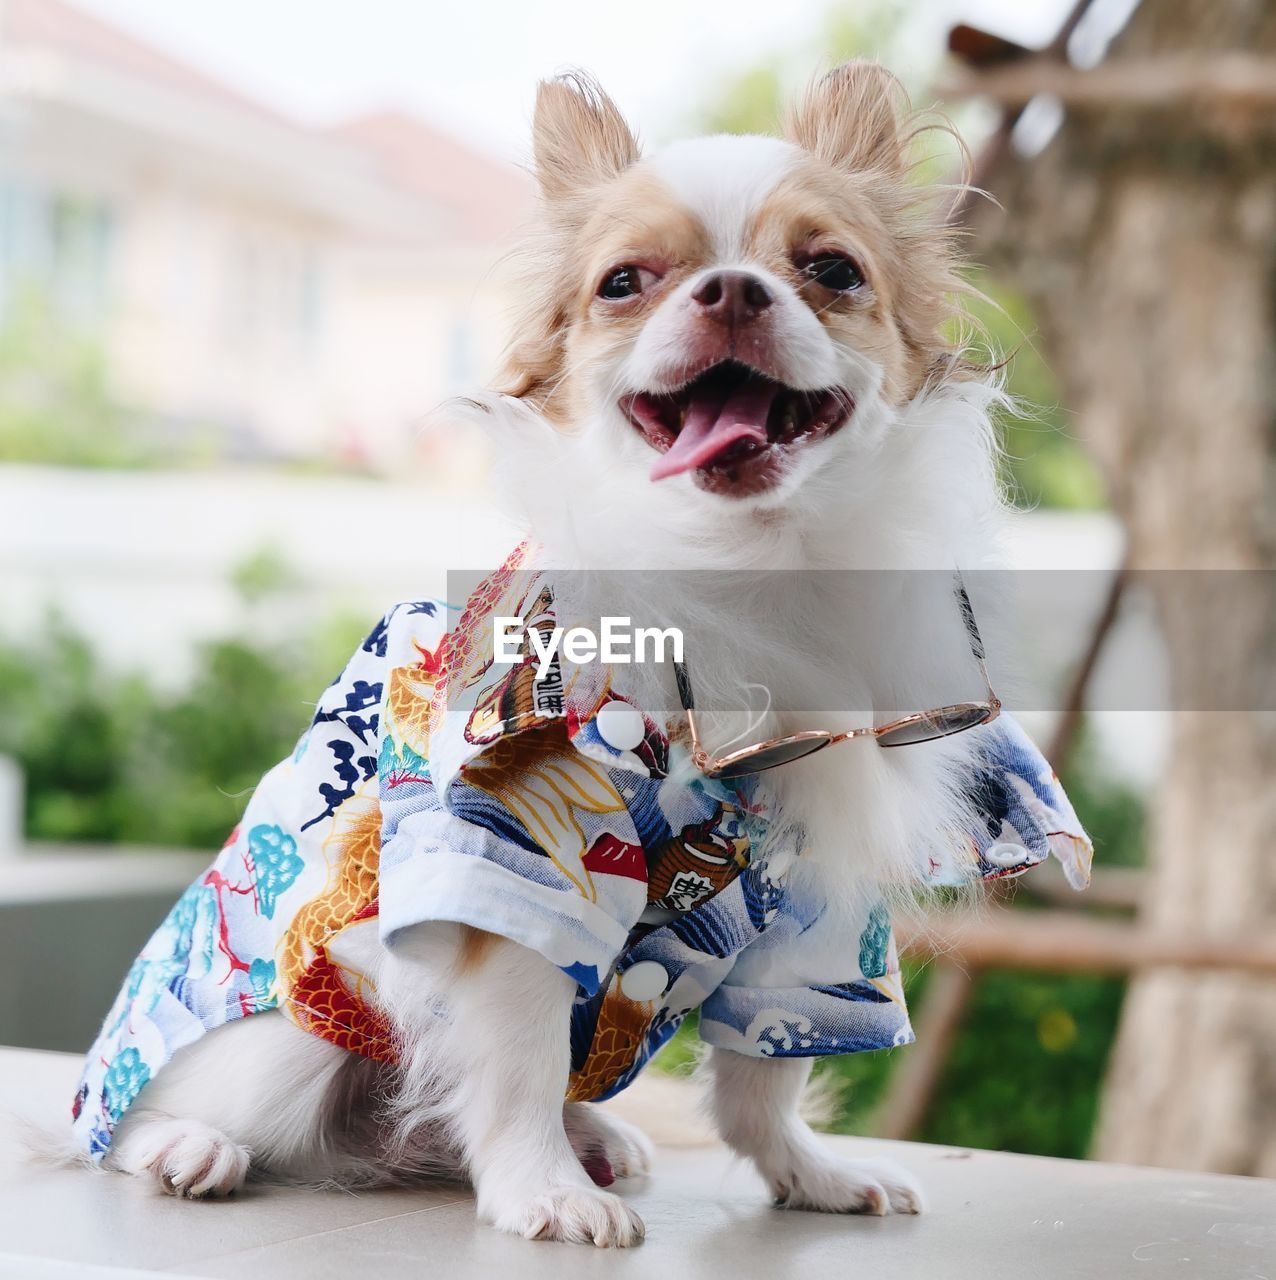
<point>833,270</point>
<point>623,282</point>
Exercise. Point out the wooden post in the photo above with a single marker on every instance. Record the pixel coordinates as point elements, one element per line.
<point>915,1079</point>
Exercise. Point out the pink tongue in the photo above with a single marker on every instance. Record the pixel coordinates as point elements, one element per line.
<point>713,424</point>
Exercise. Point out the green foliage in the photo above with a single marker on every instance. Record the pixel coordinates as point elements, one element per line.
<point>680,1055</point>
<point>109,757</point>
<point>58,406</point>
<point>263,574</point>
<point>752,100</point>
<point>1042,464</point>
<point>1025,1072</point>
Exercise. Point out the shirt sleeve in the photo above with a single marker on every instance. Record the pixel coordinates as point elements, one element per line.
<point>1020,816</point>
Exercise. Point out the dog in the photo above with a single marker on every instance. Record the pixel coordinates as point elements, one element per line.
<point>734,357</point>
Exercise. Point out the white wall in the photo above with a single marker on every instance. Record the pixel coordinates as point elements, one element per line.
<point>325,316</point>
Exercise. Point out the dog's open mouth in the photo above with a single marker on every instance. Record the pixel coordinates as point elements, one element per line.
<point>733,427</point>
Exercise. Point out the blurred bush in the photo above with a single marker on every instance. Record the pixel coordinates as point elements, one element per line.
<point>1026,1070</point>
<point>109,757</point>
<point>1043,465</point>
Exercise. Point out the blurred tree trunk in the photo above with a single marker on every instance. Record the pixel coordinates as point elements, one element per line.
<point>1145,237</point>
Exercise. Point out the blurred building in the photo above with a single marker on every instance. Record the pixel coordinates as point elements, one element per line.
<point>258,288</point>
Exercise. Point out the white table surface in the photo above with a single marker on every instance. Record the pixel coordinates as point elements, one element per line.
<point>992,1216</point>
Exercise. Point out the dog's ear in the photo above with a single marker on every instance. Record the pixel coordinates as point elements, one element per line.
<point>579,138</point>
<point>853,118</point>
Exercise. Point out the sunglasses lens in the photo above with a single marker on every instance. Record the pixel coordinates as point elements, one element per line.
<point>942,723</point>
<point>771,757</point>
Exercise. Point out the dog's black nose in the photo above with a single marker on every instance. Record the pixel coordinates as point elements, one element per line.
<point>732,297</point>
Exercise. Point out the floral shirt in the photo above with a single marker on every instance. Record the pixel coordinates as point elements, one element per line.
<point>435,785</point>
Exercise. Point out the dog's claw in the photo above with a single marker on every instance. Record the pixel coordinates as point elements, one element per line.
<point>577,1215</point>
<point>828,1185</point>
<point>187,1159</point>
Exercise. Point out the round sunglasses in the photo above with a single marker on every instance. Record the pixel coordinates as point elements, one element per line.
<point>921,726</point>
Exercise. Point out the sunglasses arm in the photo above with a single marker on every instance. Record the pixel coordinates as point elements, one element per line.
<point>994,702</point>
<point>699,756</point>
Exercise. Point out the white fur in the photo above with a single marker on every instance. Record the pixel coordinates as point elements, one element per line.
<point>485,1051</point>
<point>723,180</point>
<point>912,488</point>
<point>186,1157</point>
<point>754,1104</point>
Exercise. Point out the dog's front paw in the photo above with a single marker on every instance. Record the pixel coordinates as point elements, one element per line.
<point>579,1215</point>
<point>187,1158</point>
<point>828,1185</point>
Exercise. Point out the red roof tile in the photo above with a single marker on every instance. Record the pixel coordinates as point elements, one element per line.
<point>54,25</point>
<point>484,197</point>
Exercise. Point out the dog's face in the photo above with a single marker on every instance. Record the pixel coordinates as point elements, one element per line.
<point>725,315</point>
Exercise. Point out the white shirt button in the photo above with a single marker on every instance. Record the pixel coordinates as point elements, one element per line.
<point>620,725</point>
<point>644,981</point>
<point>1006,855</point>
